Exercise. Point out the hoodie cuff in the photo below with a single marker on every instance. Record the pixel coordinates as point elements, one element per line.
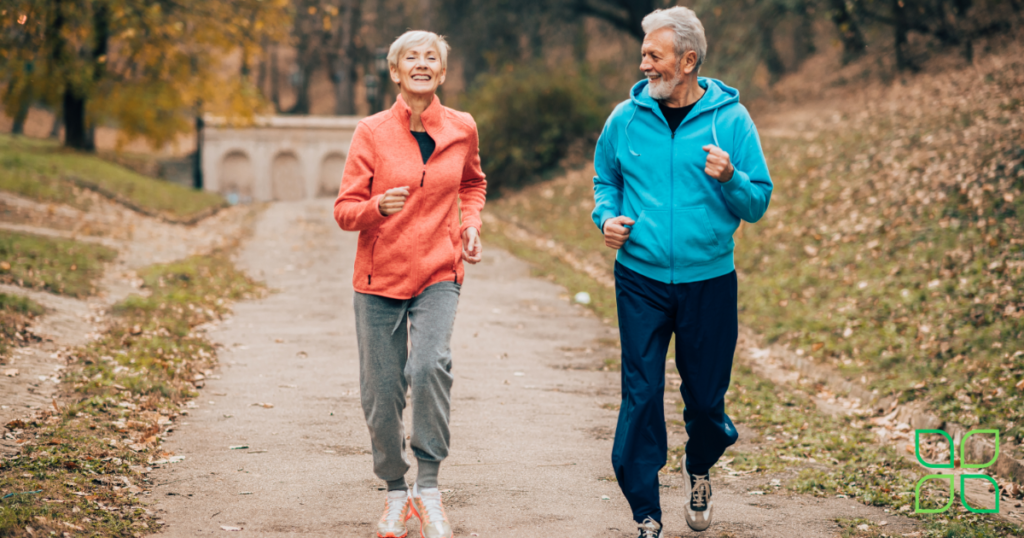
<point>737,182</point>
<point>603,218</point>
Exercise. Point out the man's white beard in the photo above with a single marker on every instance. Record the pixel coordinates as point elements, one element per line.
<point>662,89</point>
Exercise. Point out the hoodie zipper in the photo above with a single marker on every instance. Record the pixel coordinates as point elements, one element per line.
<point>671,209</point>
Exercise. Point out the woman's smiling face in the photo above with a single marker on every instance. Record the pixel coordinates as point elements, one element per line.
<point>419,70</point>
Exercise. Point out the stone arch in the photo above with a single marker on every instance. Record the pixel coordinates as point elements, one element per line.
<point>286,181</point>
<point>237,177</point>
<point>331,169</point>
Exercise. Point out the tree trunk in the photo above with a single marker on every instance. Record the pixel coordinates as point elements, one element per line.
<point>76,135</point>
<point>342,59</point>
<point>306,60</point>
<point>900,28</point>
<point>21,115</point>
<point>343,77</point>
<point>803,41</point>
<point>275,83</point>
<point>849,31</point>
<point>197,160</point>
<point>769,54</point>
<point>58,120</point>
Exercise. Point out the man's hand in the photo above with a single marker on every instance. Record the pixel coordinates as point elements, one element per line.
<point>615,231</point>
<point>718,165</point>
<point>472,248</point>
<point>393,201</point>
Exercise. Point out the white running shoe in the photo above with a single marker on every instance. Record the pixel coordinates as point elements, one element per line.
<point>397,510</point>
<point>699,508</point>
<point>426,505</point>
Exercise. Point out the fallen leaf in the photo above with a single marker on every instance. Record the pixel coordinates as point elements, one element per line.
<point>229,528</point>
<point>16,424</point>
<point>11,372</point>
<point>4,266</point>
<point>266,405</point>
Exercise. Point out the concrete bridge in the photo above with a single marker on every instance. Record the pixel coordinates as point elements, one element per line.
<point>277,158</point>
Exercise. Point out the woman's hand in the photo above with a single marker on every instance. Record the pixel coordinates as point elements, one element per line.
<point>393,201</point>
<point>472,248</point>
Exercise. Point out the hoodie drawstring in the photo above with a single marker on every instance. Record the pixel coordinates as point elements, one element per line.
<point>628,146</point>
<point>714,132</point>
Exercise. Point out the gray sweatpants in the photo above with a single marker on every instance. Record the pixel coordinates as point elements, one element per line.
<point>388,365</point>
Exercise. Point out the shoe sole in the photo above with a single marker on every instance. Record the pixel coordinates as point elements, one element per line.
<point>414,512</point>
<point>391,535</point>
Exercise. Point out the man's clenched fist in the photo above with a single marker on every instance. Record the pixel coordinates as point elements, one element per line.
<point>615,231</point>
<point>718,165</point>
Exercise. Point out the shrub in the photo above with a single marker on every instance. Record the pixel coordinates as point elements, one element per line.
<point>529,117</point>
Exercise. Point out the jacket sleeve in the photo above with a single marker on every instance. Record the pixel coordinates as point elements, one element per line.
<point>748,192</point>
<point>355,209</point>
<point>473,189</point>
<point>607,181</point>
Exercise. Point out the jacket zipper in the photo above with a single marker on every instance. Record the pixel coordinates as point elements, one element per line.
<point>373,250</point>
<point>671,209</point>
<point>424,176</point>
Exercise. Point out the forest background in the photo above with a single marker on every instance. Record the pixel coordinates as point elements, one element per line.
<point>137,76</point>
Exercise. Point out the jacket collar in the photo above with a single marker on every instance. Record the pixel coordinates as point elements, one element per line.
<point>432,117</point>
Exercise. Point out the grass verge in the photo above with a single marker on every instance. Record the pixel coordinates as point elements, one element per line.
<point>894,247</point>
<point>16,314</point>
<point>43,171</point>
<point>56,265</point>
<point>83,463</point>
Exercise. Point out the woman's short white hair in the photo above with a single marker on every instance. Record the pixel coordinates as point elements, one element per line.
<point>686,26</point>
<point>415,38</point>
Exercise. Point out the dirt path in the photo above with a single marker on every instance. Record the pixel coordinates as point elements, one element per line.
<point>531,440</point>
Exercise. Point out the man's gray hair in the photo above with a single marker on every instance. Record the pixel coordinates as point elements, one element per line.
<point>689,32</point>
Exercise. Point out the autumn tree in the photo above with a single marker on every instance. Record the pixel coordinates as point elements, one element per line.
<point>148,67</point>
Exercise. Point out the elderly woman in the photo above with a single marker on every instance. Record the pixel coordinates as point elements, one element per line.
<point>413,189</point>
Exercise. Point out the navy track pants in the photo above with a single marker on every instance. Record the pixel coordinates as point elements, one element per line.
<point>703,317</point>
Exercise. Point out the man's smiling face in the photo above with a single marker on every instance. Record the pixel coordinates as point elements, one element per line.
<point>660,64</point>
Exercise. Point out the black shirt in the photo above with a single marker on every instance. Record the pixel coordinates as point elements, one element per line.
<point>426,143</point>
<point>675,116</point>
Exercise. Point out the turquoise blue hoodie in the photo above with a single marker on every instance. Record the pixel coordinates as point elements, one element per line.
<point>684,218</point>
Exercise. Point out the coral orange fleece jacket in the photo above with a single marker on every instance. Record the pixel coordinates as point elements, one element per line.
<point>400,255</point>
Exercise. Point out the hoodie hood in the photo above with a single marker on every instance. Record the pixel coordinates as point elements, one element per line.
<point>716,95</point>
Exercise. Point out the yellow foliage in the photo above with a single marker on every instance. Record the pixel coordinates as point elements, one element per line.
<point>148,67</point>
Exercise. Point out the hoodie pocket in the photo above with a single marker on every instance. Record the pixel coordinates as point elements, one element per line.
<point>693,237</point>
<point>649,239</point>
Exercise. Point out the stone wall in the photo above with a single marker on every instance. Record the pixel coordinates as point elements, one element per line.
<point>277,158</point>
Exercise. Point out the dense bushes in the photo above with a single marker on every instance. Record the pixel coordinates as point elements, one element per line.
<point>529,117</point>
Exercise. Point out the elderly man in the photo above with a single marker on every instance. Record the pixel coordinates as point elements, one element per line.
<point>679,165</point>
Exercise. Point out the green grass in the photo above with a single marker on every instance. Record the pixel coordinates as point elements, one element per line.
<point>15,315</point>
<point>128,385</point>
<point>43,171</point>
<point>56,265</point>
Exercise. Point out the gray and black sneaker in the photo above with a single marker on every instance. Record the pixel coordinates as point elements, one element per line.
<point>699,508</point>
<point>649,529</point>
